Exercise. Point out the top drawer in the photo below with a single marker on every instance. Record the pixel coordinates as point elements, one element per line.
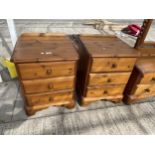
<point>46,70</point>
<point>112,64</point>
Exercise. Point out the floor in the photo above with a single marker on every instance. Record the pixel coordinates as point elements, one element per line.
<point>102,117</point>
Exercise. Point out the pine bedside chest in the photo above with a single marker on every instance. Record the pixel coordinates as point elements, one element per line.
<point>104,69</point>
<point>141,84</point>
<point>47,67</point>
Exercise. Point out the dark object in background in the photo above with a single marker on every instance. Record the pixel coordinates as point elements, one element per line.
<point>133,30</point>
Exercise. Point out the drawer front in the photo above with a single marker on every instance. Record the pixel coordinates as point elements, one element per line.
<point>105,91</point>
<point>149,78</point>
<point>112,64</point>
<point>46,70</point>
<point>47,98</point>
<point>145,89</point>
<point>108,78</point>
<point>45,85</point>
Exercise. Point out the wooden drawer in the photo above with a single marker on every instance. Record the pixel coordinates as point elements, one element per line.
<point>108,90</point>
<point>112,64</point>
<point>45,85</point>
<point>46,70</point>
<point>144,89</point>
<point>48,98</point>
<point>108,78</point>
<point>148,78</point>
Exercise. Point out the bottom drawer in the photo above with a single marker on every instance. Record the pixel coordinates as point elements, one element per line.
<point>45,98</point>
<point>144,89</point>
<point>108,90</point>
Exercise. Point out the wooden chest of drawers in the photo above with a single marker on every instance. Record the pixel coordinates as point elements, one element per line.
<point>141,84</point>
<point>105,66</point>
<point>47,67</point>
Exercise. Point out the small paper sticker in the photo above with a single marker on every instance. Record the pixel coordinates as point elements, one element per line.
<point>47,52</point>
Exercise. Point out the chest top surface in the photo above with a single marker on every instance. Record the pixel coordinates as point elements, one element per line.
<point>147,51</point>
<point>146,65</point>
<point>108,46</point>
<point>43,47</point>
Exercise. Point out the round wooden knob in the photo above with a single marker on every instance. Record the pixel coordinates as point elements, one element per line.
<point>50,86</point>
<point>50,99</point>
<point>49,72</point>
<point>113,65</point>
<point>70,70</point>
<point>109,80</point>
<point>35,102</point>
<point>105,92</point>
<point>147,90</point>
<point>153,79</point>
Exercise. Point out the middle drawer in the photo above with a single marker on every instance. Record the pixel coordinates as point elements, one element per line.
<point>108,78</point>
<point>45,85</point>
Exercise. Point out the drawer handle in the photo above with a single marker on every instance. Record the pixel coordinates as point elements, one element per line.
<point>49,72</point>
<point>50,99</point>
<point>50,86</point>
<point>70,70</point>
<point>105,92</point>
<point>153,79</point>
<point>113,65</point>
<point>109,80</point>
<point>35,102</point>
<point>147,90</point>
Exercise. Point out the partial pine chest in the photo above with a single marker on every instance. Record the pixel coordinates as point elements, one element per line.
<point>106,65</point>
<point>47,67</point>
<point>141,84</point>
